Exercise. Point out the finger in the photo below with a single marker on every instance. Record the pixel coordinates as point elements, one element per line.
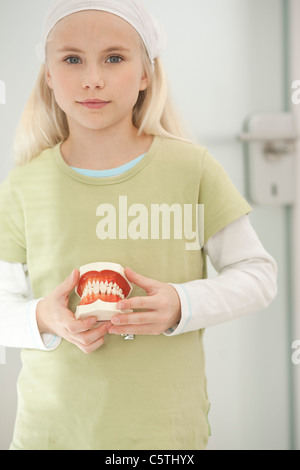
<point>138,303</point>
<point>137,318</point>
<point>79,326</point>
<point>91,347</point>
<point>89,337</point>
<point>141,281</point>
<point>65,288</point>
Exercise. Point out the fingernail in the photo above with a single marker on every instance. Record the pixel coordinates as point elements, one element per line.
<point>112,331</point>
<point>121,306</point>
<point>116,321</point>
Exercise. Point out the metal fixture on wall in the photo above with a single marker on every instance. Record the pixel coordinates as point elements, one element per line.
<point>271,146</point>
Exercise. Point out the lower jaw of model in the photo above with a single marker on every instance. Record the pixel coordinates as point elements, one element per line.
<point>101,286</point>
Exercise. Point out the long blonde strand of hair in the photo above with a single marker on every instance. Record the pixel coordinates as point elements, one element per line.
<point>43,124</point>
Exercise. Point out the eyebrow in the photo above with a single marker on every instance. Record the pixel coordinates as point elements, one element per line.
<point>106,51</point>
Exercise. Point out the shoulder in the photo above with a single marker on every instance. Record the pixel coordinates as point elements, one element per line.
<point>183,152</point>
<point>32,170</point>
<point>183,148</point>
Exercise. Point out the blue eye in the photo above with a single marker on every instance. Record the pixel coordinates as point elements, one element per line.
<point>73,60</point>
<point>114,59</point>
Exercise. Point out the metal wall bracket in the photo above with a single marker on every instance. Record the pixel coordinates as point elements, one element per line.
<point>270,142</point>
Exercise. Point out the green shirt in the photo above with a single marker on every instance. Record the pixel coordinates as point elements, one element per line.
<point>149,393</point>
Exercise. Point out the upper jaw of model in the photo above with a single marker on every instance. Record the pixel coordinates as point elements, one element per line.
<point>101,287</point>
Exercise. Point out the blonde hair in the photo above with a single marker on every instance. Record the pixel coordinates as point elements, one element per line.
<point>43,124</point>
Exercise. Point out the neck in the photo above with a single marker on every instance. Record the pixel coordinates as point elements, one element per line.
<point>104,149</point>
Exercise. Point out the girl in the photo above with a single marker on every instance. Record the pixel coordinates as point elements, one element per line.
<point>99,129</point>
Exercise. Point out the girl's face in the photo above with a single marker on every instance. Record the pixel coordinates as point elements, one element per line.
<point>95,69</point>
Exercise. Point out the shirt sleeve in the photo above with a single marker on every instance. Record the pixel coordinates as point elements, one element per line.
<point>221,200</point>
<point>18,324</point>
<point>246,283</point>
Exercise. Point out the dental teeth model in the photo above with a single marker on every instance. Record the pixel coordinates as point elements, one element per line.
<point>100,287</point>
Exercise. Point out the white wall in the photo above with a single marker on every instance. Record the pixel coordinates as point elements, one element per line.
<point>224,60</point>
<point>20,26</point>
<point>295,108</point>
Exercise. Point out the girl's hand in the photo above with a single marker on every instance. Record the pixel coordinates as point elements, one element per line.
<point>53,316</point>
<point>162,304</point>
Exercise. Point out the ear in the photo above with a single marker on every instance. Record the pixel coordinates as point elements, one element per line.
<point>144,81</point>
<point>48,78</point>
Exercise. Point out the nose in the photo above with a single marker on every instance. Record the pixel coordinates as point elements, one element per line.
<point>92,78</point>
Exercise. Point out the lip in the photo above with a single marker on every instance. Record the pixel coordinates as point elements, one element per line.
<point>93,103</point>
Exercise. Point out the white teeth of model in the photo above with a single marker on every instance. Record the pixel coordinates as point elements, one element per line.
<point>102,287</point>
<point>96,288</point>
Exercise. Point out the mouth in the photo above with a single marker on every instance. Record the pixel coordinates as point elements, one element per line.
<point>102,281</point>
<point>93,103</point>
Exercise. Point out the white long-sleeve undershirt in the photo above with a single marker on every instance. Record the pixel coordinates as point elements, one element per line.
<point>247,282</point>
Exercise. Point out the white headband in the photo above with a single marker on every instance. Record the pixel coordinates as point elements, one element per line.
<point>132,11</point>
